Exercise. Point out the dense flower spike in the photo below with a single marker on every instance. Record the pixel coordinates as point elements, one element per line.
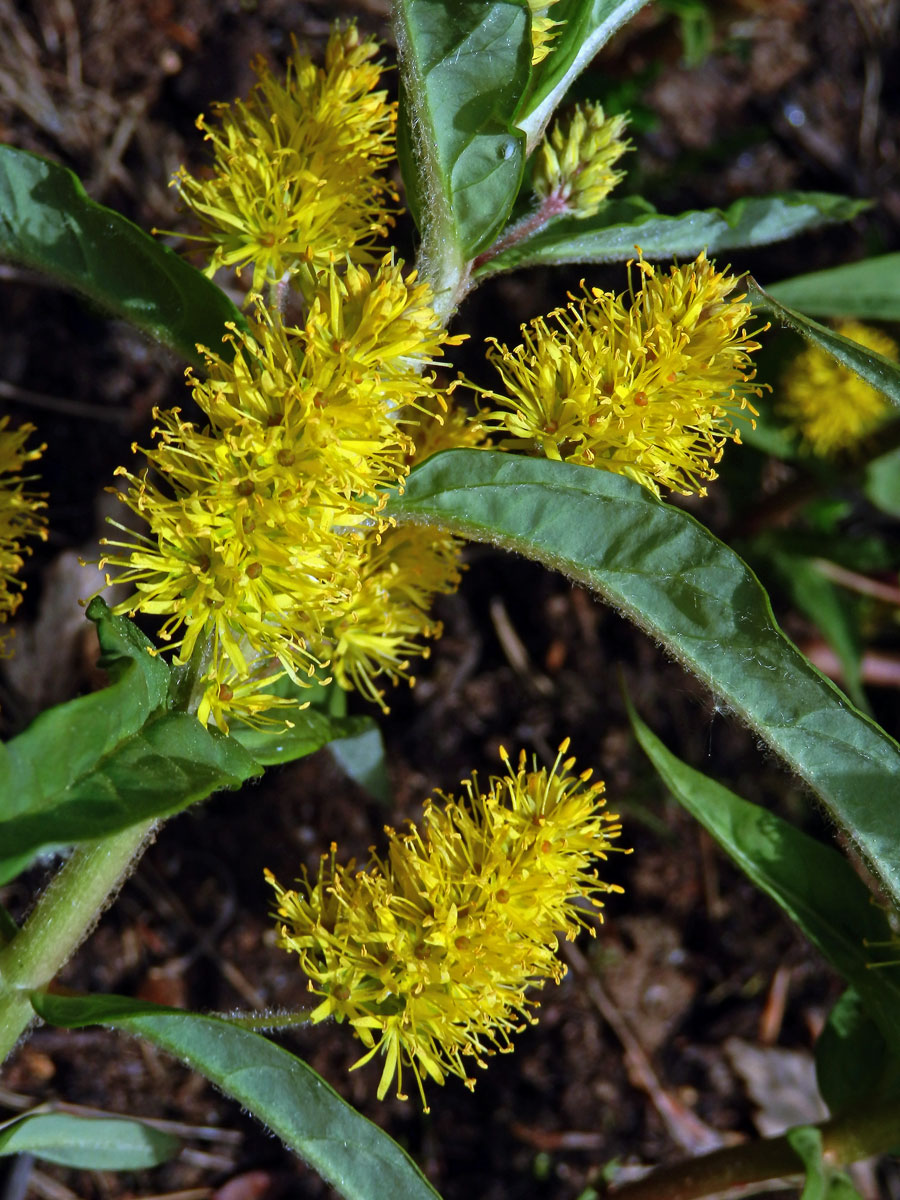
<point>575,164</point>
<point>827,404</point>
<point>20,515</point>
<point>266,542</point>
<point>648,389</point>
<point>296,167</point>
<point>543,29</point>
<point>429,953</point>
<point>404,570</point>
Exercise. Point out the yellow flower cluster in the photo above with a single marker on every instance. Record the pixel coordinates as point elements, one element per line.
<point>429,952</point>
<point>267,552</point>
<point>542,29</point>
<point>575,164</point>
<point>20,514</point>
<point>296,167</point>
<point>827,404</point>
<point>648,389</point>
<point>266,545</point>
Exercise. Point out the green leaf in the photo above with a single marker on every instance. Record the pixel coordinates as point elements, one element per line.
<point>668,574</point>
<point>464,68</point>
<point>823,1181</point>
<point>349,1152</point>
<point>875,369</point>
<point>88,1143</point>
<point>48,223</point>
<point>854,1063</point>
<point>169,763</point>
<point>813,883</point>
<point>868,290</point>
<point>33,768</point>
<point>621,225</point>
<point>881,482</point>
<point>312,729</point>
<point>363,758</point>
<point>585,28</point>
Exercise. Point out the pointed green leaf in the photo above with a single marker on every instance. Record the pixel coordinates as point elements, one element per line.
<point>585,28</point>
<point>33,768</point>
<point>621,225</point>
<point>868,290</point>
<point>311,730</point>
<point>88,1143</point>
<point>363,758</point>
<point>874,368</point>
<point>668,574</point>
<point>349,1152</point>
<point>172,761</point>
<point>48,223</point>
<point>813,883</point>
<point>464,68</point>
<point>108,760</point>
<point>854,1062</point>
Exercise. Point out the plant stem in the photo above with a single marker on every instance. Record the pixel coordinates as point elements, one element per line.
<point>60,921</point>
<point>868,1131</point>
<point>266,1021</point>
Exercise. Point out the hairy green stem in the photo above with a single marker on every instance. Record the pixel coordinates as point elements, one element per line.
<point>267,1020</point>
<point>62,918</point>
<point>868,1131</point>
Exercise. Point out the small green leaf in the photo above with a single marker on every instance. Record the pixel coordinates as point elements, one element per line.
<point>585,26</point>
<point>48,223</point>
<point>868,290</point>
<point>88,1143</point>
<point>823,1181</point>
<point>172,761</point>
<point>875,369</point>
<point>621,225</point>
<point>349,1152</point>
<point>362,757</point>
<point>668,574</point>
<point>813,883</point>
<point>854,1062</point>
<point>881,482</point>
<point>464,68</point>
<point>311,730</point>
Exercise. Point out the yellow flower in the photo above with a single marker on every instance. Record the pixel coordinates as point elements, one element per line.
<point>574,167</point>
<point>542,29</point>
<point>648,389</point>
<point>429,953</point>
<point>20,514</point>
<point>827,404</point>
<point>265,534</point>
<point>404,569</point>
<point>381,626</point>
<point>295,178</point>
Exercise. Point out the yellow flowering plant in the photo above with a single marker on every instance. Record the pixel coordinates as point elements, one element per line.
<point>285,533</point>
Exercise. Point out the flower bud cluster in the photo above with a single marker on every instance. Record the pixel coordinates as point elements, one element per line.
<point>575,164</point>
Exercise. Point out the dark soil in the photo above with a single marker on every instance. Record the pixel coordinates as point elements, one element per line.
<point>644,1053</point>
